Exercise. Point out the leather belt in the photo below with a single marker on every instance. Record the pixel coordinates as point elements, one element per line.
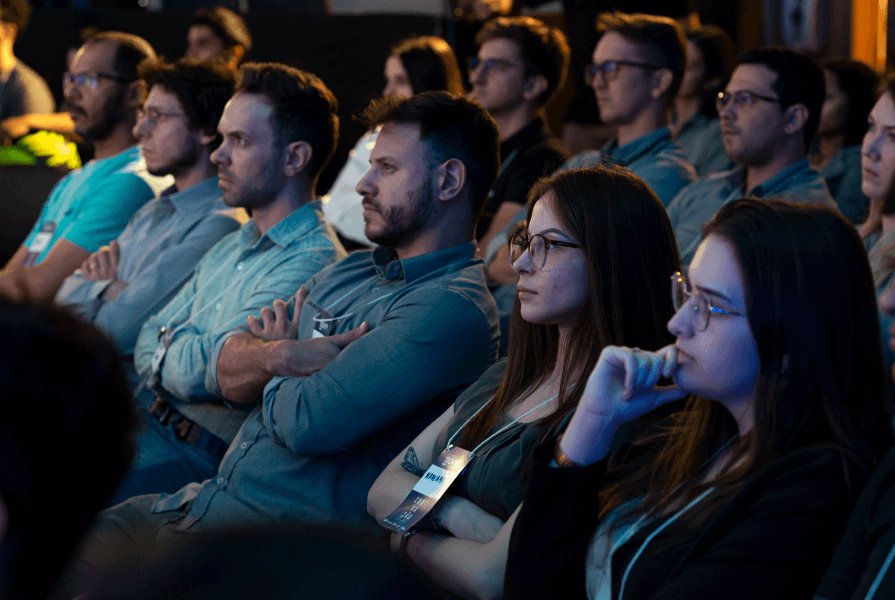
<point>184,429</point>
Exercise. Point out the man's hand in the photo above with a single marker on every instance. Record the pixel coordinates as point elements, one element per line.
<point>300,358</point>
<point>275,323</point>
<point>102,264</point>
<point>14,128</point>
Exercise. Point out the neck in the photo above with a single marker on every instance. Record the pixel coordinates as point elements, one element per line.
<point>650,119</point>
<point>199,172</point>
<point>7,58</point>
<point>512,121</point>
<point>827,147</point>
<point>119,140</point>
<point>684,110</point>
<point>888,223</point>
<point>561,352</point>
<point>293,196</point>
<point>785,155</point>
<point>450,227</point>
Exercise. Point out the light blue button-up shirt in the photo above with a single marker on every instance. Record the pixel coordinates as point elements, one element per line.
<point>159,249</point>
<point>242,274</point>
<point>655,157</point>
<point>843,177</point>
<point>698,202</point>
<point>311,452</point>
<point>700,137</point>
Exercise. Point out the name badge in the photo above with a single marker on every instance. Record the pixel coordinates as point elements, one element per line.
<point>428,490</point>
<point>40,243</point>
<point>323,324</point>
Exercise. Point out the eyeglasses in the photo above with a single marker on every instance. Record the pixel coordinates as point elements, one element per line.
<point>741,99</point>
<point>537,246</point>
<point>91,80</point>
<point>499,64</point>
<point>682,293</point>
<point>154,117</point>
<point>609,69</point>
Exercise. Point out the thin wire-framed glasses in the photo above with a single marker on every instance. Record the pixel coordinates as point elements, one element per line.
<point>610,69</point>
<point>537,246</point>
<point>91,80</point>
<point>682,292</point>
<point>154,116</point>
<point>490,64</point>
<point>741,98</point>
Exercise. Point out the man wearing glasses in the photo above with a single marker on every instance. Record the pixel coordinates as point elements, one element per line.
<point>120,285</point>
<point>93,204</point>
<point>637,69</point>
<point>769,114</point>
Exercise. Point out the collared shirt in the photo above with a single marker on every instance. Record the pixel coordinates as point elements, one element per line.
<point>698,202</point>
<point>311,452</point>
<point>91,206</point>
<point>240,275</point>
<point>843,177</point>
<point>655,157</point>
<point>158,251</point>
<point>700,137</point>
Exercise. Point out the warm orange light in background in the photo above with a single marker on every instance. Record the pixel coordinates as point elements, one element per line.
<point>869,32</point>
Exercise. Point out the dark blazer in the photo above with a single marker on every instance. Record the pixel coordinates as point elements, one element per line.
<point>773,539</point>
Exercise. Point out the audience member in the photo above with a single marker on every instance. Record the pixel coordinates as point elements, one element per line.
<point>593,237</point>
<point>836,152</point>
<point>521,63</point>
<point>769,113</point>
<point>414,66</point>
<point>22,90</point>
<point>746,493</point>
<point>93,204</point>
<point>637,69</point>
<point>68,429</point>
<point>279,131</point>
<point>710,61</point>
<point>120,285</point>
<point>218,34</point>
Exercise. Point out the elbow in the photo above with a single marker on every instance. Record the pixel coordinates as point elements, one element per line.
<point>374,502</point>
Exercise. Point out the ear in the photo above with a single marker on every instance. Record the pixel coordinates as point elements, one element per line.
<point>533,87</point>
<point>794,118</point>
<point>12,29</point>
<point>232,56</point>
<point>298,156</point>
<point>135,94</point>
<point>450,178</point>
<point>206,138</point>
<point>662,79</point>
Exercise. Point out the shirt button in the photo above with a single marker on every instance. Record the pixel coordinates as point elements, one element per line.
<point>220,480</point>
<point>218,306</point>
<point>239,266</point>
<point>244,445</point>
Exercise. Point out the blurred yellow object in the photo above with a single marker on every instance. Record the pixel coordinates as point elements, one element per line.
<point>42,148</point>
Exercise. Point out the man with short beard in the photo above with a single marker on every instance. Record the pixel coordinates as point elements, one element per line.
<point>120,285</point>
<point>93,204</point>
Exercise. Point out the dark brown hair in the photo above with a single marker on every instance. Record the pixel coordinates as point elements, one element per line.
<point>430,64</point>
<point>130,51</point>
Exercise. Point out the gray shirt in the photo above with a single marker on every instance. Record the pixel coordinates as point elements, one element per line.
<point>311,452</point>
<point>24,92</point>
<point>159,249</point>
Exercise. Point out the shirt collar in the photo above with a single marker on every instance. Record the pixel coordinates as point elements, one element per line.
<point>781,180</point>
<point>624,155</point>
<point>697,121</point>
<point>301,222</point>
<point>196,198</point>
<point>389,266</point>
<point>524,137</point>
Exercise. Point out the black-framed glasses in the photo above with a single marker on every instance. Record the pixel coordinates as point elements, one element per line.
<point>682,292</point>
<point>537,246</point>
<point>90,80</point>
<point>490,64</point>
<point>741,99</point>
<point>154,116</point>
<point>610,69</point>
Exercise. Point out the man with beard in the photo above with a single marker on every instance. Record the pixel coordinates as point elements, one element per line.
<point>120,285</point>
<point>93,204</point>
<point>279,130</point>
<point>376,346</point>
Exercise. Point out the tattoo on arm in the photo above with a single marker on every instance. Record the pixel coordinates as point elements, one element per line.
<point>411,464</point>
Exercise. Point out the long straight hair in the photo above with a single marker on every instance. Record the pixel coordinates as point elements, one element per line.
<point>629,245</point>
<point>812,310</point>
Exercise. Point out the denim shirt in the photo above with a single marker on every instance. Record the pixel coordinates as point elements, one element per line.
<point>700,137</point>
<point>311,452</point>
<point>655,157</point>
<point>843,177</point>
<point>158,251</point>
<point>242,274</point>
<point>697,203</point>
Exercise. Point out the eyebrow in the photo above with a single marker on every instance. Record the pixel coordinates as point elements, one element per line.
<point>551,230</point>
<point>715,293</point>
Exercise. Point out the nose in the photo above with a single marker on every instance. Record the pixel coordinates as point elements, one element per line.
<point>523,263</point>
<point>726,112</point>
<point>141,128</point>
<point>870,145</point>
<point>887,299</point>
<point>478,74</point>
<point>681,324</point>
<point>220,156</point>
<point>366,186</point>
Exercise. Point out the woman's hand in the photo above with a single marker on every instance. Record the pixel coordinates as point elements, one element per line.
<point>621,388</point>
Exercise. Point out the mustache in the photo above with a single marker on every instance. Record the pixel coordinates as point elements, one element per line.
<point>370,204</point>
<point>70,107</point>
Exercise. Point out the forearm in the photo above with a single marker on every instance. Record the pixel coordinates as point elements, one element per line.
<point>243,368</point>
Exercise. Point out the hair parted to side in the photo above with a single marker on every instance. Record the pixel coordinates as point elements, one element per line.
<point>799,80</point>
<point>226,24</point>
<point>202,88</point>
<point>812,310</point>
<point>543,49</point>
<point>17,12</point>
<point>719,58</point>
<point>662,40</point>
<point>452,126</point>
<point>304,109</point>
<point>430,63</point>
<point>130,51</point>
<point>860,83</point>
<point>631,253</point>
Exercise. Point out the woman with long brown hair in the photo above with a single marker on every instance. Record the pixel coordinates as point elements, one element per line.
<point>593,270</point>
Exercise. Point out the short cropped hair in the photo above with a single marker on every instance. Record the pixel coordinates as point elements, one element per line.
<point>17,12</point>
<point>543,49</point>
<point>430,64</point>
<point>202,87</point>
<point>225,24</point>
<point>130,51</point>
<point>451,126</point>
<point>661,39</point>
<point>799,80</point>
<point>859,82</point>
<point>304,109</point>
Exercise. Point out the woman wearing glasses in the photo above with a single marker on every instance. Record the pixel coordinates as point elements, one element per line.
<point>593,270</point>
<point>746,492</point>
